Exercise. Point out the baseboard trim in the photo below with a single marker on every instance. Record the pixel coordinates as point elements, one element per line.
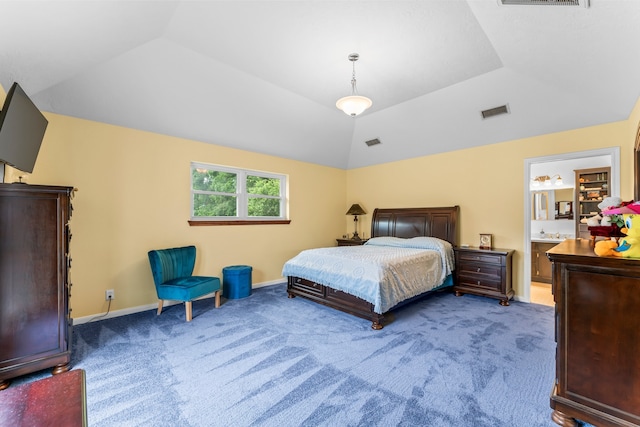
<point>154,306</point>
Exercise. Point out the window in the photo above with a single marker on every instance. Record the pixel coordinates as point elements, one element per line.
<point>224,194</point>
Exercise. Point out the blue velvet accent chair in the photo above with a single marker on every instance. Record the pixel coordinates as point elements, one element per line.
<point>172,271</point>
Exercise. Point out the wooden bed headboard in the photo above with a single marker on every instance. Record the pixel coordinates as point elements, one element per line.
<point>413,222</point>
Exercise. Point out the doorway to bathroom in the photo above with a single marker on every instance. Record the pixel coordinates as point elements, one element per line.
<point>547,227</point>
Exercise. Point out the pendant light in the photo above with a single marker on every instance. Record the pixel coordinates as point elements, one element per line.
<point>353,104</point>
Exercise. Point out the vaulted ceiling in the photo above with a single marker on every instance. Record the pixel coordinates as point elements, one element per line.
<point>264,75</point>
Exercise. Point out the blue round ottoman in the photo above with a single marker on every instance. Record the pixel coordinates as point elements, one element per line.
<point>236,281</point>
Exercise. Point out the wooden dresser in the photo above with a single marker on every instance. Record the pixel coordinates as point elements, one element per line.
<point>35,325</point>
<point>597,335</point>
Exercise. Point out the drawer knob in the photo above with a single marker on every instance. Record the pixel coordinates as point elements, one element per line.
<point>478,270</point>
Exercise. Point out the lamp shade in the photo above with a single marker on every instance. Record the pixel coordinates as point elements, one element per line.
<point>356,209</point>
<point>354,104</point>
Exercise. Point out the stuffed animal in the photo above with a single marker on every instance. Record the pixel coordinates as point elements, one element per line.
<point>629,246</point>
<point>623,208</point>
<point>613,207</point>
<point>591,221</point>
<point>609,203</point>
<point>607,248</point>
<point>594,221</point>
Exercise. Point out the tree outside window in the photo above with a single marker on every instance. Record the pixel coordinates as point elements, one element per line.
<point>224,193</point>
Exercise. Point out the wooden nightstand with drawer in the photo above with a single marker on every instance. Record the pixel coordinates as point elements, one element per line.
<point>484,272</point>
<point>351,242</point>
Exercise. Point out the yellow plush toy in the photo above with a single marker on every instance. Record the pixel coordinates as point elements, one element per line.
<point>606,248</point>
<point>629,246</point>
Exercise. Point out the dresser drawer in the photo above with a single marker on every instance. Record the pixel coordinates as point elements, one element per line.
<point>485,271</point>
<point>477,257</point>
<point>347,299</point>
<point>494,284</point>
<point>308,287</point>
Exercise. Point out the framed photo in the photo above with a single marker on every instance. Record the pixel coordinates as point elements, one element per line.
<point>486,241</point>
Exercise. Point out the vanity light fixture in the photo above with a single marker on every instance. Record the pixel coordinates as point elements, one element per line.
<point>546,180</point>
<point>353,104</point>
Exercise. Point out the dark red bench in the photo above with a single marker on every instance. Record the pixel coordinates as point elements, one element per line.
<point>59,400</point>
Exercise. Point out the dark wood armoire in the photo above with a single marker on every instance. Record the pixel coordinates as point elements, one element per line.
<point>598,337</point>
<point>35,323</point>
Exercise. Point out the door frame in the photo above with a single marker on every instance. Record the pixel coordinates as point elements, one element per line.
<point>614,152</point>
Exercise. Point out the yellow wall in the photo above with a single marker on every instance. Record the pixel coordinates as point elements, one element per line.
<point>133,196</point>
<point>486,182</point>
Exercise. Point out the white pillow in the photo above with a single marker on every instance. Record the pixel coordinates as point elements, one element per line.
<point>386,241</point>
<point>421,242</point>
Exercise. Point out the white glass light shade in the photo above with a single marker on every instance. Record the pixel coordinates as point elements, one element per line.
<point>354,104</point>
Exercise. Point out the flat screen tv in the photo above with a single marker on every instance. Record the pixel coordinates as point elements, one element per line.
<point>22,128</point>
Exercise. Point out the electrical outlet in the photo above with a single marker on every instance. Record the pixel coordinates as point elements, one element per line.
<point>109,294</point>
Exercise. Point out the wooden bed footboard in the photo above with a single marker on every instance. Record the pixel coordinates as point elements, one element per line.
<point>334,299</point>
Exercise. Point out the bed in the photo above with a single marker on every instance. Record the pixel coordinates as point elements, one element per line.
<point>403,223</point>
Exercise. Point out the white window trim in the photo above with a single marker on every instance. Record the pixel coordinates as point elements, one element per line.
<point>242,196</point>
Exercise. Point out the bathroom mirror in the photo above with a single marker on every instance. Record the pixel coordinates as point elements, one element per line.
<point>540,205</point>
<point>564,210</point>
<point>564,203</point>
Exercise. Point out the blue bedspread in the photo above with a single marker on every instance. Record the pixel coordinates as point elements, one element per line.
<point>384,272</point>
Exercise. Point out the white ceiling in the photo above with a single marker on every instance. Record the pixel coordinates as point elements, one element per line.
<point>264,75</point>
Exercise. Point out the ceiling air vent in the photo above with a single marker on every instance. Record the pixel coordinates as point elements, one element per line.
<point>372,142</point>
<point>492,112</point>
<point>584,3</point>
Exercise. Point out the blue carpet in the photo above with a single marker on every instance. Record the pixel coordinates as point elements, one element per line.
<point>267,360</point>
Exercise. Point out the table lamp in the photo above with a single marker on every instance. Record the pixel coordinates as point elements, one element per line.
<point>355,210</point>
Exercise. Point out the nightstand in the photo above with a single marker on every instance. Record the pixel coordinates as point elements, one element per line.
<point>484,272</point>
<point>351,242</point>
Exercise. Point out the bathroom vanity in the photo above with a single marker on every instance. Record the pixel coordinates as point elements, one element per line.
<point>540,264</point>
